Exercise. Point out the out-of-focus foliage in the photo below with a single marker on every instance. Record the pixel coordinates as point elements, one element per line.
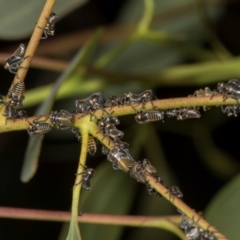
<point>18,18</point>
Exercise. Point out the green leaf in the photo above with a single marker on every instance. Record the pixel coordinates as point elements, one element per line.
<point>34,144</point>
<point>223,212</point>
<point>18,18</point>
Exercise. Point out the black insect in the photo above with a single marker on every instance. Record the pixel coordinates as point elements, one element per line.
<point>90,104</point>
<point>119,144</point>
<point>191,228</point>
<point>108,120</point>
<point>113,101</point>
<point>153,191</point>
<point>206,235</point>
<point>172,113</point>
<point>175,191</point>
<point>92,146</point>
<point>49,30</point>
<point>87,175</point>
<point>105,150</point>
<point>143,98</point>
<point>17,94</point>
<point>206,92</point>
<point>111,131</point>
<point>149,116</point>
<point>186,113</point>
<point>140,169</point>
<point>12,63</point>
<point>121,159</point>
<point>38,128</point>
<point>229,89</point>
<point>231,110</point>
<point>77,133</point>
<point>107,126</point>
<point>62,120</point>
<point>11,113</point>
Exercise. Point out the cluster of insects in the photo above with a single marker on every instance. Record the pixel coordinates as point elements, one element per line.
<point>193,231</point>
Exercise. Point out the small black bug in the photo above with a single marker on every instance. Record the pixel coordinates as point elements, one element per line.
<point>230,89</point>
<point>90,104</point>
<point>149,116</point>
<point>77,133</point>
<point>107,126</point>
<point>12,63</point>
<point>175,191</point>
<point>231,110</point>
<point>105,150</point>
<point>113,101</point>
<point>121,159</point>
<point>87,175</point>
<point>38,128</point>
<point>143,98</point>
<point>62,120</point>
<point>139,170</point>
<point>17,94</point>
<point>119,144</point>
<point>49,30</point>
<point>187,113</point>
<point>11,113</point>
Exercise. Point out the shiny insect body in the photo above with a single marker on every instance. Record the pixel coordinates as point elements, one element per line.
<point>231,110</point>
<point>206,235</point>
<point>77,133</point>
<point>90,104</point>
<point>102,122</point>
<point>62,120</point>
<point>187,113</point>
<point>230,89</point>
<point>151,190</point>
<point>139,170</point>
<point>111,131</point>
<point>38,128</point>
<point>119,144</point>
<point>149,116</point>
<point>17,94</point>
<point>113,101</point>
<point>49,30</point>
<point>12,63</point>
<point>191,228</point>
<point>121,159</point>
<point>11,113</point>
<point>143,98</point>
<point>171,113</point>
<point>92,145</point>
<point>206,92</point>
<point>175,191</point>
<point>105,150</point>
<point>87,175</point>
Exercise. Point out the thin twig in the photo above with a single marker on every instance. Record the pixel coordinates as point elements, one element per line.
<point>34,41</point>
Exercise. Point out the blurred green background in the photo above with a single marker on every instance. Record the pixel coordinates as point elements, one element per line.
<point>174,49</point>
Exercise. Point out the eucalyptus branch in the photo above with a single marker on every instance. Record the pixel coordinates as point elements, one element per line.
<point>163,104</point>
<point>183,207</point>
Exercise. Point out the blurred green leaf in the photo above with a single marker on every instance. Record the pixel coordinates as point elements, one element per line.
<point>32,153</point>
<point>224,212</point>
<point>73,233</point>
<point>18,18</point>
